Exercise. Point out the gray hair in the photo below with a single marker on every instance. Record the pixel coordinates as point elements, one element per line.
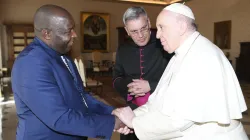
<point>134,13</point>
<point>190,22</point>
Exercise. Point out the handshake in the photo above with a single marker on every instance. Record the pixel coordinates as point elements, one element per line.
<point>123,120</point>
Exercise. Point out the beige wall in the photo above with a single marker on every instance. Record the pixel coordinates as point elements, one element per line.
<point>206,11</point>
<point>209,11</point>
<point>23,10</point>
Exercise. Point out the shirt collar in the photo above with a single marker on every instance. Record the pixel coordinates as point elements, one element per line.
<point>184,47</point>
<point>48,49</point>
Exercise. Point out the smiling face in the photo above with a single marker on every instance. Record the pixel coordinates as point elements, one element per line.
<point>63,34</point>
<point>168,31</point>
<point>54,25</point>
<point>139,30</point>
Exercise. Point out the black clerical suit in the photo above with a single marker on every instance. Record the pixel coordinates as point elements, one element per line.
<point>135,62</point>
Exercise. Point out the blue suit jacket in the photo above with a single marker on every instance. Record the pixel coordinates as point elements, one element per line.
<point>48,103</point>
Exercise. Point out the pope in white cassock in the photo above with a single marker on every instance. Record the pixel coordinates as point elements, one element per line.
<point>198,96</point>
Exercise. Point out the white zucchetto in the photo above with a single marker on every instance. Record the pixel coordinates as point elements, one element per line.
<point>180,9</point>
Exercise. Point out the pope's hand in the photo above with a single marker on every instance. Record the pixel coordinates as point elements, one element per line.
<point>125,114</point>
<point>118,123</point>
<point>124,130</point>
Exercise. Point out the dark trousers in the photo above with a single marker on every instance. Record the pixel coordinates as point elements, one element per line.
<point>131,136</point>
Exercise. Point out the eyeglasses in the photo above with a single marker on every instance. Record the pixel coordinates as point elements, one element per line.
<point>143,31</point>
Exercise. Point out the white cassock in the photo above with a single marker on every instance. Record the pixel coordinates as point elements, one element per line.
<point>197,98</point>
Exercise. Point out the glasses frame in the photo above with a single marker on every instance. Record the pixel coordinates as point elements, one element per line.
<point>145,29</point>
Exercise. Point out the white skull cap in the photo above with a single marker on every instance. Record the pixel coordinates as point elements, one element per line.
<point>180,9</point>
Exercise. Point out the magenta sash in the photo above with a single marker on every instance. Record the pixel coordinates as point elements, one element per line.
<point>139,101</point>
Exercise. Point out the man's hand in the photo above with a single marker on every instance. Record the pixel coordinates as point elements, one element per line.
<point>118,123</point>
<point>138,87</point>
<point>120,127</point>
<point>125,130</point>
<point>125,114</point>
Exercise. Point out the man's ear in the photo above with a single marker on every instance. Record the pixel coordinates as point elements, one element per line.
<point>127,30</point>
<point>183,28</point>
<point>149,24</point>
<point>46,34</point>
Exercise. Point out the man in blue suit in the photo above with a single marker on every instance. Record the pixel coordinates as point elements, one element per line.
<point>50,100</point>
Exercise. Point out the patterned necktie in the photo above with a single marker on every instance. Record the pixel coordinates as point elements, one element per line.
<point>69,66</point>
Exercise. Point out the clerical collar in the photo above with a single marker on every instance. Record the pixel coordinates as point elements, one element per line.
<point>184,47</point>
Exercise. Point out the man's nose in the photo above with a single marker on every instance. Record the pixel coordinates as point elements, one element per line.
<point>140,34</point>
<point>158,35</point>
<point>74,35</point>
